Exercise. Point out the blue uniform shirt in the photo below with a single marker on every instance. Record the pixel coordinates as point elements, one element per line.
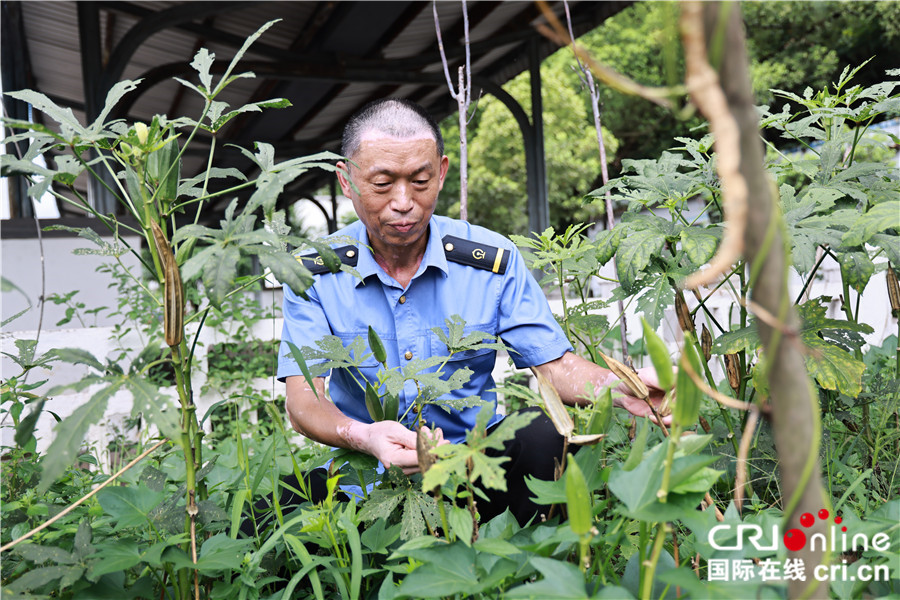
<point>510,305</point>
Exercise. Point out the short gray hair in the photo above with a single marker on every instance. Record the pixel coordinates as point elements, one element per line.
<point>397,117</point>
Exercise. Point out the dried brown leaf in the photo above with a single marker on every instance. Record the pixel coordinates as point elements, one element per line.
<point>634,383</point>
<point>556,410</point>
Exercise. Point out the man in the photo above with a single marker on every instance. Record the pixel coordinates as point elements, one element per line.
<point>417,271</point>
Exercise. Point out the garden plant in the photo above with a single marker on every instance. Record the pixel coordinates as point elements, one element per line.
<point>640,510</point>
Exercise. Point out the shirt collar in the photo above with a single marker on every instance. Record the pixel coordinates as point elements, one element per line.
<point>434,255</point>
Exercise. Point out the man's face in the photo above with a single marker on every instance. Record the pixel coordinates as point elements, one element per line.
<point>398,181</point>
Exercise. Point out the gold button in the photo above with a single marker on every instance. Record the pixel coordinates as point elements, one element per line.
<point>408,355</point>
<point>415,408</point>
<point>351,253</point>
<point>402,300</point>
<point>448,247</point>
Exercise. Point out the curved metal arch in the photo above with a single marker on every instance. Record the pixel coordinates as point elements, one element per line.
<point>155,23</point>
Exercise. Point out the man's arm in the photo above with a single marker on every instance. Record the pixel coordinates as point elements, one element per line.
<point>569,374</point>
<point>320,420</point>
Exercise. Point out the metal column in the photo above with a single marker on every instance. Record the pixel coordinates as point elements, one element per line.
<point>538,202</point>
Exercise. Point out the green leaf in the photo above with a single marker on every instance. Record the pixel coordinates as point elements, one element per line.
<point>460,521</point>
<point>856,269</point>
<point>129,506</point>
<point>262,462</point>
<point>63,116</point>
<point>297,355</point>
<point>637,447</point>
<point>890,244</point>
<point>115,94</point>
<point>607,243</point>
<point>878,218</point>
<point>153,478</point>
<point>655,298</point>
<point>70,434</point>
<point>25,429</point>
<point>381,504</point>
<point>418,509</point>
<point>833,368</point>
<point>252,107</point>
<point>634,254</point>
<point>219,274</point>
<point>447,570</point>
<point>699,244</point>
<point>83,537</point>
<point>202,63</point>
<point>561,581</point>
<point>218,554</point>
<point>157,408</point>
<point>41,554</point>
<point>377,537</point>
<point>78,356</point>
<point>637,489</point>
<point>287,270</point>
<point>114,556</point>
<point>737,340</point>
<point>36,578</point>
<point>226,77</point>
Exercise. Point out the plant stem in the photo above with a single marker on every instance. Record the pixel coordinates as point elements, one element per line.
<point>650,571</point>
<point>672,444</point>
<point>812,275</point>
<point>212,149</point>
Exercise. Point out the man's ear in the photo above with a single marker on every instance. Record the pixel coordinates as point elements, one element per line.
<point>442,171</point>
<point>343,175</point>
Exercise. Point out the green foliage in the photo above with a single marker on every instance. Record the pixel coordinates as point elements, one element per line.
<point>497,176</point>
<point>614,513</point>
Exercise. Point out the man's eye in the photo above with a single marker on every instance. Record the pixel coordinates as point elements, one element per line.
<point>421,182</point>
<point>381,184</point>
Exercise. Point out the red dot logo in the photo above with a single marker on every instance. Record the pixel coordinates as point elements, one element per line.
<point>823,514</point>
<point>795,539</point>
<point>806,519</point>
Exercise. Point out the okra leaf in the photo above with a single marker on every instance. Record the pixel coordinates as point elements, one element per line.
<point>634,254</point>
<point>856,268</point>
<point>287,270</point>
<point>70,434</point>
<point>877,219</point>
<point>699,244</point>
<point>129,506</point>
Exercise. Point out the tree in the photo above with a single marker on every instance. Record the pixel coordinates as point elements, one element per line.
<point>497,191</point>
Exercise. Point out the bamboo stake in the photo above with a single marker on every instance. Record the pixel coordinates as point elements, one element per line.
<point>84,498</point>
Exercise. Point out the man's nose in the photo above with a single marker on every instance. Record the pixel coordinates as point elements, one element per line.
<point>402,200</point>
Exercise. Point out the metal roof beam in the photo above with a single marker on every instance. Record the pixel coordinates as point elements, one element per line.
<point>154,23</point>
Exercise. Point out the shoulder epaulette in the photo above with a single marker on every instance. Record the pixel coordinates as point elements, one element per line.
<point>348,255</point>
<point>474,254</point>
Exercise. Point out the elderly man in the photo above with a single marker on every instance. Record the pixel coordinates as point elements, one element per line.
<point>418,270</point>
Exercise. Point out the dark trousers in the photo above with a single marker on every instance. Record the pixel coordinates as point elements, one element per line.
<point>533,451</point>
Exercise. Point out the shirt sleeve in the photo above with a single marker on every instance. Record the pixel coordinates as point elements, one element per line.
<point>525,322</point>
<point>305,323</point>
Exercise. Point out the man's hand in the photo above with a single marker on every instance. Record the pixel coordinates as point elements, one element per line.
<point>637,406</point>
<point>570,373</point>
<point>389,442</point>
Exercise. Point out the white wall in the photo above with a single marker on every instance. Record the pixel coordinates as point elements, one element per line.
<point>55,271</point>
